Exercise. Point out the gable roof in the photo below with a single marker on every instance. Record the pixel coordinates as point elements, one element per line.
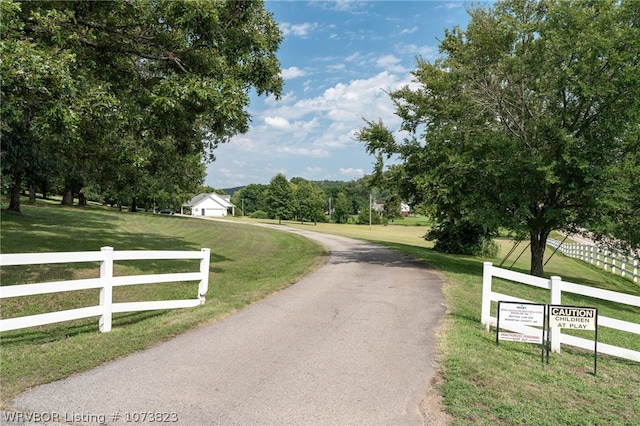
<point>223,200</point>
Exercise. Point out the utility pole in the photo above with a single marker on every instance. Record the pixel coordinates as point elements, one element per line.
<point>370,208</point>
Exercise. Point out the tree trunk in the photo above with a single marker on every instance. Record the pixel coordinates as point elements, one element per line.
<point>134,205</point>
<point>14,202</point>
<point>32,194</point>
<point>67,198</point>
<point>82,200</point>
<point>538,245</point>
<point>44,189</point>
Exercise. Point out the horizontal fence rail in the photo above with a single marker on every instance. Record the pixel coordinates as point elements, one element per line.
<point>556,287</point>
<point>106,282</point>
<point>610,260</point>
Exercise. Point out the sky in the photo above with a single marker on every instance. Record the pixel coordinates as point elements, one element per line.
<point>339,61</point>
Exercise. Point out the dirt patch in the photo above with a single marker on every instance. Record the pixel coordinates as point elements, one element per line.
<point>432,407</point>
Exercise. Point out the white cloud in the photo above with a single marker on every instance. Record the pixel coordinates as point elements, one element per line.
<point>336,67</point>
<point>304,152</point>
<point>409,30</point>
<point>426,51</point>
<point>352,172</point>
<point>307,86</point>
<point>387,61</point>
<point>454,5</point>
<point>300,30</point>
<point>279,123</point>
<point>293,72</point>
<point>353,6</point>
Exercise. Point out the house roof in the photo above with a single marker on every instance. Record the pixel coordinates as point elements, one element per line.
<point>223,200</point>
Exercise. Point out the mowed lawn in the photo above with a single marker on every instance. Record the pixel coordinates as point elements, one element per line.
<point>482,384</point>
<point>247,264</point>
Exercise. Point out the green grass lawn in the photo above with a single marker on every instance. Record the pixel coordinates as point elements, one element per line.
<point>483,384</point>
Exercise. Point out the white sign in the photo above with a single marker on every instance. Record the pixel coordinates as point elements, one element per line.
<point>517,337</point>
<point>572,317</point>
<point>521,313</point>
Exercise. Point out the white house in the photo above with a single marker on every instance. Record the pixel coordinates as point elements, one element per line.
<point>213,205</point>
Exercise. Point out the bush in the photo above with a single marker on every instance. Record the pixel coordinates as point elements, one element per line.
<point>463,237</point>
<point>363,218</point>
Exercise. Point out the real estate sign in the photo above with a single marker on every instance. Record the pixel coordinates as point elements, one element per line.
<point>526,314</point>
<point>522,313</point>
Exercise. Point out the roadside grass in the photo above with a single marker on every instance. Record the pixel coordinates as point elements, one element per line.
<point>488,384</point>
<point>247,263</point>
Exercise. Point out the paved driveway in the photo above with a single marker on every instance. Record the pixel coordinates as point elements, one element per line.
<point>351,344</point>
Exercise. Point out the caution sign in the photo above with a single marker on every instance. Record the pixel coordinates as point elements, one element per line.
<point>573,317</point>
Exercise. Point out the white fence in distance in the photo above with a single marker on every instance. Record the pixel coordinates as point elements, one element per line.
<point>556,287</point>
<point>611,260</point>
<point>106,256</point>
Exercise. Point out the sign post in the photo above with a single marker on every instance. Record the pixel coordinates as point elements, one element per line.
<point>576,318</point>
<point>522,314</point>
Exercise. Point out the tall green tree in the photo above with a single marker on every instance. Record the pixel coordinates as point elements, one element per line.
<point>524,121</point>
<point>251,198</point>
<point>280,198</point>
<point>310,201</point>
<point>392,208</point>
<point>169,70</point>
<point>37,84</point>
<point>341,208</point>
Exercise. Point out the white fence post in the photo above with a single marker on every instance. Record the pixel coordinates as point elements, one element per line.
<point>106,291</point>
<point>555,285</point>
<point>486,295</point>
<point>203,286</point>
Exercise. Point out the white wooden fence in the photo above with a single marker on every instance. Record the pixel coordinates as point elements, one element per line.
<point>106,256</point>
<point>557,287</point>
<point>611,260</point>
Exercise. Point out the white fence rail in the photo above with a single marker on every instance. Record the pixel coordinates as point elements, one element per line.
<point>611,260</point>
<point>106,256</point>
<point>556,287</point>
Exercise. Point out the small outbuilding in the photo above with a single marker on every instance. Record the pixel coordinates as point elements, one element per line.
<point>212,205</point>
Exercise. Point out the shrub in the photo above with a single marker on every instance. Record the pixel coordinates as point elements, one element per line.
<point>462,237</point>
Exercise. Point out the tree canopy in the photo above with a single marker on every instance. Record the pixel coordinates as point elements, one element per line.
<point>92,92</point>
<point>528,121</point>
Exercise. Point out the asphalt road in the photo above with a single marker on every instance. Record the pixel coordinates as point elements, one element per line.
<point>351,344</point>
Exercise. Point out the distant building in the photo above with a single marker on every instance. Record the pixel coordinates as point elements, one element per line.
<point>211,205</point>
<point>405,209</point>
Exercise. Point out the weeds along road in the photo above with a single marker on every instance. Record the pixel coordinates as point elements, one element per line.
<point>351,344</point>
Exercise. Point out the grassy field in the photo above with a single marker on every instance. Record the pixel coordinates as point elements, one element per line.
<point>482,383</point>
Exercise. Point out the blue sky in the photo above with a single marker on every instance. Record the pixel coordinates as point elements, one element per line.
<point>338,59</point>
